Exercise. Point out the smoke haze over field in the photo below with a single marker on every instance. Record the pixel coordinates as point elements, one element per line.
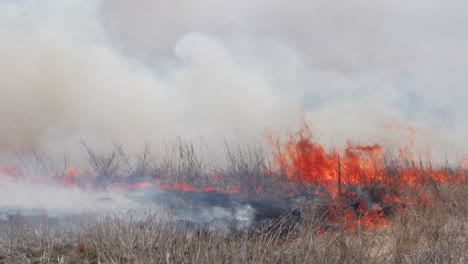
<point>17,195</point>
<point>143,71</point>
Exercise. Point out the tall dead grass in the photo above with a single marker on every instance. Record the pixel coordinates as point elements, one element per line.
<point>420,234</point>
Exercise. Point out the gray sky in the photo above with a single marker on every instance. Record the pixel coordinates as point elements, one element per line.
<point>146,70</point>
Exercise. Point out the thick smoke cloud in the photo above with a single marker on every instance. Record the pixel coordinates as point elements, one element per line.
<point>142,71</point>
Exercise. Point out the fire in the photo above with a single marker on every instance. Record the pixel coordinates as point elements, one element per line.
<point>133,186</point>
<point>188,188</point>
<point>306,162</point>
<point>361,185</point>
<point>70,177</point>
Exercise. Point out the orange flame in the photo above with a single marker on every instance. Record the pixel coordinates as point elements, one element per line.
<point>188,188</point>
<point>305,161</point>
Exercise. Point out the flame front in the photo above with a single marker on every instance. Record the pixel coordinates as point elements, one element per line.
<point>361,186</point>
<point>395,182</point>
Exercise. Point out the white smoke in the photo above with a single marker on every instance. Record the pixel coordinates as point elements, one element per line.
<point>142,71</point>
<point>22,195</point>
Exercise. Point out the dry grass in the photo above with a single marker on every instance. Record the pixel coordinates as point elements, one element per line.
<point>420,234</point>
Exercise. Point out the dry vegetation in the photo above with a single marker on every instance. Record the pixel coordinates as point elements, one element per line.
<point>420,234</point>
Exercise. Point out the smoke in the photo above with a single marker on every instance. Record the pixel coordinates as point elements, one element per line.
<point>54,199</point>
<point>143,71</point>
<point>193,210</point>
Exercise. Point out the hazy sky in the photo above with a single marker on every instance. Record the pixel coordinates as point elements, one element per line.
<point>146,70</point>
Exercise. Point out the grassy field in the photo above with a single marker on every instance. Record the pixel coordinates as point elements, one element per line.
<point>435,232</point>
<point>421,235</point>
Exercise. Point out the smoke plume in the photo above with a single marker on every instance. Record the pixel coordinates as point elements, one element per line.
<point>143,71</point>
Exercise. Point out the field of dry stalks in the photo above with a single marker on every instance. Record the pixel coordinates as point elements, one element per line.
<point>431,235</point>
<point>419,234</point>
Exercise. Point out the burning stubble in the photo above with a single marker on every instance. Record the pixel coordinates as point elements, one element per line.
<point>304,195</point>
<point>82,77</point>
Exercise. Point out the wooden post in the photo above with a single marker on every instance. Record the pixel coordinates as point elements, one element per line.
<point>339,201</point>
<point>339,177</point>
